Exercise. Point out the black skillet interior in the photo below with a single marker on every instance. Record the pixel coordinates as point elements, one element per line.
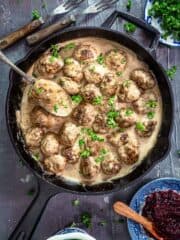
<point>15,94</point>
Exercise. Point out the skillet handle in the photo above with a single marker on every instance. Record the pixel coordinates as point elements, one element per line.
<point>140,23</point>
<point>26,226</point>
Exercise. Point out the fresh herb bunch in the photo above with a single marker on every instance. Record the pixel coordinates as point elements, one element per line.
<point>129,27</point>
<point>171,72</point>
<point>35,14</point>
<point>169,12</point>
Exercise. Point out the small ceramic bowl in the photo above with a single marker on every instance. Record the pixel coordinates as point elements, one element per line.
<point>71,234</point>
<point>155,22</point>
<point>137,203</point>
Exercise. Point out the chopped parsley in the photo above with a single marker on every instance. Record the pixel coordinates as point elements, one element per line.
<point>36,156</point>
<point>119,74</point>
<point>93,135</point>
<point>52,59</point>
<point>81,142</point>
<point>76,202</point>
<point>140,126</point>
<point>151,104</point>
<point>111,118</point>
<point>54,51</point>
<point>150,115</point>
<point>86,219</point>
<point>111,101</point>
<point>39,90</point>
<point>77,98</point>
<point>128,5</point>
<point>129,112</point>
<point>101,156</point>
<point>85,153</point>
<point>123,60</point>
<point>69,46</point>
<point>68,61</point>
<point>100,59</point>
<point>171,72</point>
<point>126,83</point>
<point>97,100</point>
<point>35,14</point>
<point>129,27</point>
<point>56,107</point>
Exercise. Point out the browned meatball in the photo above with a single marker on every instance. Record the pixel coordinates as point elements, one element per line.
<point>50,144</point>
<point>89,168</point>
<point>95,146</point>
<point>42,118</point>
<point>127,117</point>
<point>128,92</point>
<point>73,69</point>
<point>85,52</point>
<point>33,137</point>
<point>144,79</point>
<point>55,164</point>
<point>94,73</point>
<point>69,133</point>
<point>100,123</point>
<point>48,66</point>
<point>129,152</point>
<point>69,85</point>
<point>71,154</point>
<point>116,59</point>
<point>110,167</point>
<point>118,139</point>
<point>146,103</point>
<point>85,114</point>
<point>109,84</point>
<point>90,93</point>
<point>145,128</point>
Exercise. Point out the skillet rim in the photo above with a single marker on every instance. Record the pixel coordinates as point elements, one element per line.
<point>116,187</point>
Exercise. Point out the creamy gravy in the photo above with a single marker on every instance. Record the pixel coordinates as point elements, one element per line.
<point>71,171</point>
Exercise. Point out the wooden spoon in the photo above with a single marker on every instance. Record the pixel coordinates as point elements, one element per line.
<point>124,210</point>
<point>46,93</point>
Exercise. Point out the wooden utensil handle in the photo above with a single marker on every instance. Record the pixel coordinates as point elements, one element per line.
<point>126,211</point>
<point>42,34</point>
<point>20,33</point>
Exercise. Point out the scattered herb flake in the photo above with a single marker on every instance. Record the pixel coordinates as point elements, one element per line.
<point>111,101</point>
<point>36,156</point>
<point>97,100</point>
<point>140,126</point>
<point>77,98</point>
<point>86,219</point>
<point>76,202</point>
<point>35,14</point>
<point>69,46</point>
<point>171,72</point>
<point>100,59</point>
<point>119,74</point>
<point>150,115</point>
<point>85,153</point>
<point>68,61</point>
<point>55,50</point>
<point>129,112</point>
<point>129,27</point>
<point>56,107</point>
<point>128,5</point>
<point>126,83</point>
<point>81,142</point>
<point>151,104</point>
<point>101,156</point>
<point>39,90</point>
<point>93,135</point>
<point>111,117</point>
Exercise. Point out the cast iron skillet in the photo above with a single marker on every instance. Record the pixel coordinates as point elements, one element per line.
<point>49,186</point>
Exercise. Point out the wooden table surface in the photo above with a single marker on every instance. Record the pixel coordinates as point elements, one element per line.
<point>16,182</point>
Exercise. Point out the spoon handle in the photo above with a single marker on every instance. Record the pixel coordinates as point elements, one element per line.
<point>126,211</point>
<point>6,60</point>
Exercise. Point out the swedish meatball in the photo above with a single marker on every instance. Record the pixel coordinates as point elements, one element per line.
<point>127,117</point>
<point>69,85</point>
<point>145,128</point>
<point>73,69</point>
<point>48,66</point>
<point>90,92</point>
<point>94,73</point>
<point>69,133</point>
<point>109,84</point>
<point>128,91</point>
<point>116,59</point>
<point>144,79</point>
<point>40,117</point>
<point>85,114</point>
<point>55,163</point>
<point>95,146</point>
<point>85,52</point>
<point>110,167</point>
<point>118,139</point>
<point>50,144</point>
<point>145,103</point>
<point>129,152</point>
<point>89,168</point>
<point>100,123</point>
<point>71,153</point>
<point>33,137</point>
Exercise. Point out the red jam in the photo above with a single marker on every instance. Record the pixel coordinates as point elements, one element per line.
<point>163,209</point>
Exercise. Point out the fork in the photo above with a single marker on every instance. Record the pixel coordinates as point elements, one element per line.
<point>97,7</point>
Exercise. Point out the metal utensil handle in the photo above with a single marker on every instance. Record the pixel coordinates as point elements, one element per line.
<point>26,226</point>
<point>20,33</point>
<point>46,32</point>
<point>137,21</point>
<point>15,68</point>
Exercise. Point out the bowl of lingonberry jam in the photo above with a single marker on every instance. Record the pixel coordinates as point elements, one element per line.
<point>159,201</point>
